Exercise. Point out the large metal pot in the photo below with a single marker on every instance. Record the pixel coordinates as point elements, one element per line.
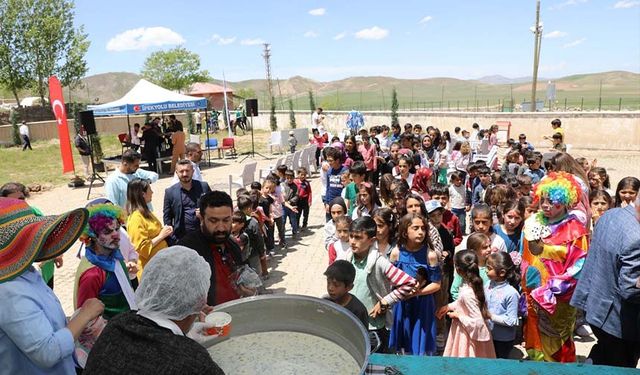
<point>302,314</point>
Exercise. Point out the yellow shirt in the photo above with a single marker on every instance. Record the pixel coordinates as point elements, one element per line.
<point>141,231</point>
<point>558,130</point>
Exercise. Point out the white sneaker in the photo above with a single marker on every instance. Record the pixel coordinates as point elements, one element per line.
<point>584,330</point>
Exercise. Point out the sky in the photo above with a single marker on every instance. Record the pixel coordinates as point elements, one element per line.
<point>333,39</point>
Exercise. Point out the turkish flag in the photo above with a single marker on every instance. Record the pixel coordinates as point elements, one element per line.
<point>57,105</point>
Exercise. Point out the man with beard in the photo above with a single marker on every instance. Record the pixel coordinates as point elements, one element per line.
<point>181,201</point>
<point>194,155</point>
<point>214,243</point>
<point>116,184</point>
<point>102,272</point>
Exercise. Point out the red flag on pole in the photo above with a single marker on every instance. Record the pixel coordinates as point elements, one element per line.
<point>57,105</point>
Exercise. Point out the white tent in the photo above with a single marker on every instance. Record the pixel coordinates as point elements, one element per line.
<point>145,97</point>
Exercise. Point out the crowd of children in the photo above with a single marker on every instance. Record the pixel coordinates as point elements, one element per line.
<point>449,255</point>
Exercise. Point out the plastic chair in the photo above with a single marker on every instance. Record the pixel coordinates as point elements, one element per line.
<point>211,144</point>
<point>228,144</point>
<point>245,178</point>
<point>122,137</point>
<point>194,138</point>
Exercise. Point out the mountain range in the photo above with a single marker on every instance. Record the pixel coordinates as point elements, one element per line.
<point>375,92</point>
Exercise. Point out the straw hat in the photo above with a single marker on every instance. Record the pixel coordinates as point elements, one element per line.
<point>26,238</point>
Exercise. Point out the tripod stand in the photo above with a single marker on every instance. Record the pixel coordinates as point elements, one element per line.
<point>94,174</point>
<point>252,153</point>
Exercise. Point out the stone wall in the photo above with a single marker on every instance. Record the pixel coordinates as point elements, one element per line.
<point>585,130</point>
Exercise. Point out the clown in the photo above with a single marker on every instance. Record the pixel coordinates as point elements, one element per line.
<point>102,272</point>
<point>554,251</point>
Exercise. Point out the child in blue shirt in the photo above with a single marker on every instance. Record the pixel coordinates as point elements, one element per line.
<point>502,301</point>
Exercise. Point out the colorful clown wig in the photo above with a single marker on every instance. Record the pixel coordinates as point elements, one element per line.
<point>560,187</point>
<point>101,216</point>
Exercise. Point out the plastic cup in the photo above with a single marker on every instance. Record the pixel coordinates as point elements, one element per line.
<point>221,324</point>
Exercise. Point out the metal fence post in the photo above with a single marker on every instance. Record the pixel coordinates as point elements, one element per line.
<point>619,104</point>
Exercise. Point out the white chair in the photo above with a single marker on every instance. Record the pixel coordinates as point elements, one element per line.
<point>243,179</point>
<point>295,160</point>
<point>311,159</point>
<point>194,138</point>
<point>275,141</point>
<point>264,172</point>
<point>304,156</point>
<point>491,159</point>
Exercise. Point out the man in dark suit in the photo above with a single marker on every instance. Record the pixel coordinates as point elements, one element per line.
<point>181,201</point>
<point>214,243</point>
<point>608,289</point>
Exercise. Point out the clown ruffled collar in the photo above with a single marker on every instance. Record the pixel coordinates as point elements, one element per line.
<point>537,227</point>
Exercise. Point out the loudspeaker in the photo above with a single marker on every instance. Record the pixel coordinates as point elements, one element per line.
<point>89,122</point>
<point>252,107</point>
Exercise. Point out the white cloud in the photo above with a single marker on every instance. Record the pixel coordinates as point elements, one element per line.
<point>624,4</point>
<point>566,4</point>
<point>574,43</point>
<point>144,37</point>
<point>426,19</point>
<point>251,42</point>
<point>555,34</point>
<point>221,40</point>
<point>310,34</point>
<point>373,33</point>
<point>340,36</point>
<point>317,12</point>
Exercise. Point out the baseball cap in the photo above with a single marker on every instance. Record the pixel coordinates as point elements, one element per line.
<point>432,205</point>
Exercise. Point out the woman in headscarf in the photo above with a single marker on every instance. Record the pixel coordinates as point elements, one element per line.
<point>422,183</point>
<point>35,336</point>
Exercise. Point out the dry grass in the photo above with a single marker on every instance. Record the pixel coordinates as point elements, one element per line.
<point>44,163</point>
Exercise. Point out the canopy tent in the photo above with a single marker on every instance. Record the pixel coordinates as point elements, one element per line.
<point>145,97</point>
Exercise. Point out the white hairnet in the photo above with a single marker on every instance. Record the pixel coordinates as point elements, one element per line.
<point>174,283</point>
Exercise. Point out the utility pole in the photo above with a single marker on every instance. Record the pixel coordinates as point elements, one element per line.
<point>537,31</point>
<point>267,64</point>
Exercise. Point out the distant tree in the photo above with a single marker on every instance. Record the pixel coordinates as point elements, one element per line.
<point>191,125</point>
<point>292,115</point>
<point>53,45</point>
<point>245,93</point>
<point>394,106</point>
<point>175,69</point>
<point>14,72</point>
<point>16,129</point>
<point>273,121</point>
<point>75,112</point>
<point>312,102</point>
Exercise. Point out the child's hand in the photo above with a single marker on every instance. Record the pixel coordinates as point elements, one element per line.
<point>443,310</point>
<point>378,309</point>
<point>453,315</point>
<point>432,258</point>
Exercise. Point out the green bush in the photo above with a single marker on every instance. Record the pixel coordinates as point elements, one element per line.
<point>273,121</point>
<point>292,115</point>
